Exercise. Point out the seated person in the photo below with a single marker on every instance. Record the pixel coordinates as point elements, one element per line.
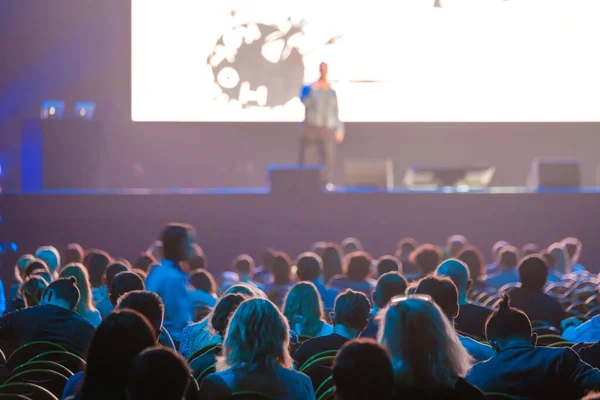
<point>281,271</point>
<point>387,264</point>
<point>32,290</point>
<point>522,370</point>
<point>54,320</point>
<point>97,261</point>
<point>243,266</point>
<point>363,371</point>
<point>530,297</point>
<point>310,269</point>
<point>105,306</point>
<point>426,257</point>
<point>508,268</point>
<point>472,317</point>
<point>303,309</point>
<point>388,285</point>
<point>202,293</point>
<point>444,294</point>
<point>358,268</point>
<point>124,282</point>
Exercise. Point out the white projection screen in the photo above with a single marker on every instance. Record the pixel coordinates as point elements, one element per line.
<point>389,60</point>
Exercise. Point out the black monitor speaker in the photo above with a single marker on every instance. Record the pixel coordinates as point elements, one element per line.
<point>433,177</point>
<point>295,179</point>
<point>548,172</point>
<point>369,173</point>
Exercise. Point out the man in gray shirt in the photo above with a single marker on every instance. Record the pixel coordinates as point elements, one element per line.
<point>322,125</point>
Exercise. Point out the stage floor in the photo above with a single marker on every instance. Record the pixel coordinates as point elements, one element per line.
<point>233,221</point>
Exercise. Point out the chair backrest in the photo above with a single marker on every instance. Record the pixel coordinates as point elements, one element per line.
<point>203,350</point>
<point>12,396</point>
<point>28,351</point>
<point>208,359</point>
<point>561,344</point>
<point>498,396</point>
<point>249,396</point>
<point>321,361</point>
<point>49,380</point>
<point>545,340</point>
<point>546,331</point>
<point>304,338</point>
<point>2,357</point>
<point>28,390</point>
<point>326,386</point>
<point>326,353</point>
<point>204,373</point>
<point>69,360</point>
<point>47,365</point>
<point>328,394</point>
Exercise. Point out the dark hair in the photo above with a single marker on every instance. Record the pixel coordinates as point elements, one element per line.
<point>508,258</point>
<point>149,304</point>
<point>201,279</point>
<point>350,245</point>
<point>404,246</point>
<point>533,272</point>
<point>474,260</point>
<point>281,268</point>
<point>113,270</point>
<point>243,264</point>
<point>118,340</point>
<point>427,257</point>
<point>455,244</point>
<point>66,290</point>
<point>73,254</point>
<point>442,291</point>
<point>389,285</point>
<point>144,261</point>
<point>223,311</point>
<point>363,370</point>
<point>124,282</point>
<point>96,261</point>
<point>310,267</point>
<point>529,249</point>
<point>358,265</point>
<point>174,239</point>
<point>158,373</point>
<point>141,273</point>
<point>507,322</point>
<point>388,264</point>
<point>35,265</point>
<point>32,290</point>
<point>332,261</point>
<point>197,262</point>
<point>352,310</point>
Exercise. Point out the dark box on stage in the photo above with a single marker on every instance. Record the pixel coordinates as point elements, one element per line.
<point>369,173</point>
<point>295,179</point>
<point>554,173</point>
<point>432,177</point>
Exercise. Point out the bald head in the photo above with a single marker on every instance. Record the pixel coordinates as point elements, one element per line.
<point>457,271</point>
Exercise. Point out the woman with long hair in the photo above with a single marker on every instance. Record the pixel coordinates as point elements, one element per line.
<point>428,360</point>
<point>255,357</point>
<point>303,309</point>
<point>332,261</point>
<point>85,307</point>
<point>32,289</point>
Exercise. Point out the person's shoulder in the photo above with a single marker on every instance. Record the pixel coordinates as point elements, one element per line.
<point>467,391</point>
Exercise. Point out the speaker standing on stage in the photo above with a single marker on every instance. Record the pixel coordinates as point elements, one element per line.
<point>322,125</point>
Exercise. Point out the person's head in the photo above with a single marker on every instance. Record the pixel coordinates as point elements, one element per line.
<point>124,282</point>
<point>224,309</point>
<point>439,359</point>
<point>62,293</point>
<point>548,258</point>
<point>455,244</point>
<point>473,259</point>
<point>388,264</point>
<point>443,292</point>
<point>96,261</point>
<point>79,272</point>
<point>21,266</point>
<point>121,336</point>
<point>149,304</point>
<point>574,247</point>
<point>257,337</point>
<point>303,309</point>
<point>266,258</point>
<point>350,245</point>
<point>508,257</point>
<point>246,290</point>
<point>197,262</point>
<point>427,257</point>
<point>112,270</point>
<point>458,272</point>
<point>32,290</point>
<point>73,254</point>
<point>561,257</point>
<point>42,273</point>
<point>363,370</point>
<point>351,311</point>
<point>499,245</point>
<point>405,248</point>
<point>145,261</point>
<point>506,325</point>
<point>178,242</point>
<point>50,256</point>
<point>389,285</point>
<point>281,268</point>
<point>358,265</point>
<point>310,267</point>
<point>323,69</point>
<point>318,248</point>
<point>533,273</point>
<point>35,266</point>
<point>201,279</point>
<point>529,249</point>
<point>158,373</point>
<point>244,266</point>
<point>332,261</point>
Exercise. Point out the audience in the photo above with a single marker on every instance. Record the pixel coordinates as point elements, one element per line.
<point>310,269</point>
<point>304,312</point>
<point>105,306</point>
<point>472,317</point>
<point>388,264</point>
<point>573,246</point>
<point>32,290</point>
<point>50,256</point>
<point>332,261</point>
<point>169,280</point>
<point>530,297</point>
<point>74,254</point>
<point>428,360</point>
<point>455,244</point>
<point>256,357</point>
<point>124,282</point>
<point>508,271</point>
<point>85,307</point>
<point>357,271</point>
<point>523,370</point>
<point>363,371</point>
<point>496,248</point>
<point>203,293</point>
<point>281,271</point>
<point>426,257</point>
<point>97,261</point>
<point>561,264</point>
<point>145,262</point>
<point>388,285</point>
<point>473,259</point>
<point>351,245</point>
<point>197,262</point>
<point>158,374</point>
<point>243,265</point>
<point>404,250</point>
<point>54,320</point>
<point>529,249</point>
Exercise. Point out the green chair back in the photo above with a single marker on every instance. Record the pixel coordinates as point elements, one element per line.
<point>204,373</point>
<point>328,394</point>
<point>561,344</point>
<point>325,386</point>
<point>546,340</point>
<point>29,390</point>
<point>321,361</point>
<point>71,361</point>
<point>326,353</point>
<point>203,350</point>
<point>49,380</point>
<point>28,351</point>
<point>49,365</point>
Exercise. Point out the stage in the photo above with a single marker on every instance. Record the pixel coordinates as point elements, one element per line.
<point>232,221</point>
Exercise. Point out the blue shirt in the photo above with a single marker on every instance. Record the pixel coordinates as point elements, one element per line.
<point>170,283</point>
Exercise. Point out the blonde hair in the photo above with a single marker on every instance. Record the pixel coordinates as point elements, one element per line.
<point>303,309</point>
<point>21,266</point>
<point>258,336</point>
<point>80,273</point>
<point>438,360</point>
<point>32,290</point>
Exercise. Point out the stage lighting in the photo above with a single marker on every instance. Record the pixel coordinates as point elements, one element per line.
<point>52,109</point>
<point>85,110</point>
